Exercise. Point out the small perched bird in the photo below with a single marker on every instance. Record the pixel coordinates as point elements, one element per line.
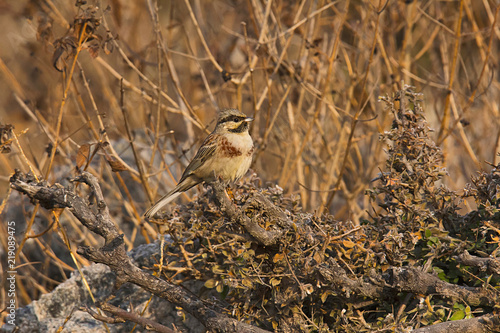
<point>226,154</point>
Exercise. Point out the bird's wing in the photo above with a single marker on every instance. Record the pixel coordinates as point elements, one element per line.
<point>205,152</point>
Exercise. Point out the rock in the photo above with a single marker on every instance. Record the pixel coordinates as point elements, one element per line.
<point>51,311</point>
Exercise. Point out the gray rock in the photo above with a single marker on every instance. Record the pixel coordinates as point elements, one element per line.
<point>52,310</point>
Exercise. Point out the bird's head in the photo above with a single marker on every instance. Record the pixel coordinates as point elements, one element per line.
<point>232,120</point>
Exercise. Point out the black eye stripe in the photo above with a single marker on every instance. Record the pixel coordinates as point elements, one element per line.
<point>231,118</point>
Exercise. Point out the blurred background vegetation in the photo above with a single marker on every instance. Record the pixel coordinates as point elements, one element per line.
<point>129,89</point>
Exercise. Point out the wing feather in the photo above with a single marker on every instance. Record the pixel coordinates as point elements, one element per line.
<point>206,151</point>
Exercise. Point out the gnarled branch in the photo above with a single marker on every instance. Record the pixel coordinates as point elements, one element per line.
<point>483,324</point>
<point>264,237</point>
<point>405,279</point>
<point>490,265</point>
<point>114,255</point>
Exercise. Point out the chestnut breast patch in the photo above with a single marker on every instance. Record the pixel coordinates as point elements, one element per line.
<point>227,149</point>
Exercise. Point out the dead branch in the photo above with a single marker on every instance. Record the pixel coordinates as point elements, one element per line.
<point>337,276</point>
<point>113,254</point>
<point>131,316</point>
<point>102,318</point>
<point>411,279</point>
<point>263,236</point>
<point>491,265</point>
<point>483,324</point>
<point>405,279</point>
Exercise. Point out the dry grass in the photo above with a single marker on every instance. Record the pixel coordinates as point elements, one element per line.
<point>310,72</point>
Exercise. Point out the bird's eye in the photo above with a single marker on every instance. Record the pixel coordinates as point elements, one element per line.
<point>235,119</point>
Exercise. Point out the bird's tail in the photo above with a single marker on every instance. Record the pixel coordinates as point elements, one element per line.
<point>185,185</point>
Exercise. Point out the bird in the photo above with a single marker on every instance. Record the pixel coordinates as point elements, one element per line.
<point>225,154</point>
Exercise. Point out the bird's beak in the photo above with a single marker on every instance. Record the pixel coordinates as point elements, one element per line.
<point>248,119</point>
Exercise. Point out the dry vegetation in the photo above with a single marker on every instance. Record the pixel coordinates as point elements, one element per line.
<point>127,90</point>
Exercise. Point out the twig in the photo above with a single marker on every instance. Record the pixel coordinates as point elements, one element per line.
<point>200,35</point>
<point>138,160</point>
<point>124,315</point>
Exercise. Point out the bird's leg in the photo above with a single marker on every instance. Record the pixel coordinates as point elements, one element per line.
<point>229,192</point>
<point>220,180</point>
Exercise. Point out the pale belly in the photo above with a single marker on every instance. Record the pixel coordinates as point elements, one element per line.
<point>230,168</point>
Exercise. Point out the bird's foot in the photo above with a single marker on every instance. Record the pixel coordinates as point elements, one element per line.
<point>230,194</point>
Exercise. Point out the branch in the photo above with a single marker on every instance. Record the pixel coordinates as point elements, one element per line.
<point>405,279</point>
<point>411,279</point>
<point>114,255</point>
<point>57,196</point>
<point>337,276</point>
<point>259,203</point>
<point>490,265</point>
<point>483,324</point>
<point>126,315</point>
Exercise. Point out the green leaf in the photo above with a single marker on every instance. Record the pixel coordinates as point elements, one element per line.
<point>458,315</point>
<point>434,239</point>
<point>443,277</point>
<point>468,314</point>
